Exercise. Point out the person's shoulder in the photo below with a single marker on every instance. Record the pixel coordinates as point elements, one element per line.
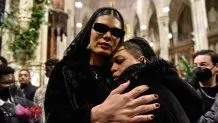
<point>33,86</point>
<point>41,89</point>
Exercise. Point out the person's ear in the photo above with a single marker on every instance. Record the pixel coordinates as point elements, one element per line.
<point>142,59</point>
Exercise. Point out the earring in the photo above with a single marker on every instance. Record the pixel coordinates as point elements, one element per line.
<point>88,47</point>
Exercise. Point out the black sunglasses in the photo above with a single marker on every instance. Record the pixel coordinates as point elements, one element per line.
<point>102,28</point>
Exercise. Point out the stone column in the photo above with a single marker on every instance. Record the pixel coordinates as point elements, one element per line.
<point>42,48</point>
<point>200,24</point>
<point>174,28</point>
<point>163,22</point>
<point>5,37</point>
<point>70,10</point>
<point>25,12</point>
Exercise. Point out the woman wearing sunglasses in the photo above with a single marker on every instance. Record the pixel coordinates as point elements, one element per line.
<point>80,88</point>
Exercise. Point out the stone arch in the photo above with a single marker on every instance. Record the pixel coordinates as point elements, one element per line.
<point>185,27</point>
<point>153,32</point>
<point>136,26</point>
<point>180,12</point>
<point>181,28</point>
<point>212,13</point>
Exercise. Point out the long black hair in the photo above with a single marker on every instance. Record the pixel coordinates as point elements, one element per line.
<point>77,50</point>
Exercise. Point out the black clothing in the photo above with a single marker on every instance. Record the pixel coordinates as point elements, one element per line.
<point>73,90</point>
<point>7,110</point>
<point>176,97</point>
<point>29,91</point>
<point>7,114</point>
<point>207,93</point>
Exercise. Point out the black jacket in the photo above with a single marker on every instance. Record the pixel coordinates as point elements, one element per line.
<point>177,97</point>
<point>7,110</point>
<point>29,91</point>
<point>73,90</point>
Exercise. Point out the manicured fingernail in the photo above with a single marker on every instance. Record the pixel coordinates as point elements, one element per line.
<point>126,83</point>
<point>157,105</point>
<point>152,116</point>
<point>146,87</point>
<point>156,96</point>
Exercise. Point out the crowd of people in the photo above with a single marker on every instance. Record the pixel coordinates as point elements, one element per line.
<point>104,79</point>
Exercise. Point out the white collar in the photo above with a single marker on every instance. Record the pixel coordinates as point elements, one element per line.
<point>2,102</point>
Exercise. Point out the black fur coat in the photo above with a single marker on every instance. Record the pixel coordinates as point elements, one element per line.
<point>73,90</point>
<point>179,102</point>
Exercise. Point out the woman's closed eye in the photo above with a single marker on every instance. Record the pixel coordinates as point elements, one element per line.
<point>119,60</point>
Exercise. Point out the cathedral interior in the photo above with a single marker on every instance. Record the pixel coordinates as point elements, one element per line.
<point>174,28</point>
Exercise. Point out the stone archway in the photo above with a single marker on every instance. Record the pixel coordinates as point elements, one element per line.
<point>136,25</point>
<point>212,15</point>
<point>181,28</point>
<point>153,33</point>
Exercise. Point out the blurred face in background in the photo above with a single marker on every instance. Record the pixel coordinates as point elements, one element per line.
<point>24,77</point>
<point>7,80</point>
<point>205,61</point>
<point>206,71</point>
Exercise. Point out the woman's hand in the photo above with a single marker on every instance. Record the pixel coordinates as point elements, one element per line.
<point>125,108</point>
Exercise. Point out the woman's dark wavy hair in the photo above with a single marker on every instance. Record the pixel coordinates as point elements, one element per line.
<point>138,46</point>
<point>77,50</point>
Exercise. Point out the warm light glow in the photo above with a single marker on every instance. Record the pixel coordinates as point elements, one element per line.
<point>79,25</point>
<point>78,4</point>
<point>170,36</point>
<point>112,3</point>
<point>166,9</point>
<point>151,44</point>
<point>143,27</point>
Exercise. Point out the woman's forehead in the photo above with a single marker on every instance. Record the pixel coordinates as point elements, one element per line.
<point>108,19</point>
<point>119,49</point>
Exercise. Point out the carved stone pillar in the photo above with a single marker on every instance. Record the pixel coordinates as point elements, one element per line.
<point>163,22</point>
<point>6,37</point>
<point>200,24</point>
<point>25,12</point>
<point>58,27</point>
<point>70,10</point>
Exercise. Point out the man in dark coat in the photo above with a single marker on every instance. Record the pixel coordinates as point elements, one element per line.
<point>26,85</point>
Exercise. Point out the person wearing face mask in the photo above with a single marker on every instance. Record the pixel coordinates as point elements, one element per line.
<point>205,79</point>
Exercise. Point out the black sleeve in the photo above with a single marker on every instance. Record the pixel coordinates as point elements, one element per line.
<point>190,100</point>
<point>161,72</point>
